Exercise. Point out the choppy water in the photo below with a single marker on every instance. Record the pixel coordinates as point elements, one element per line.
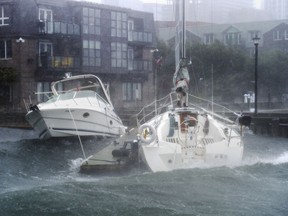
<point>41,178</point>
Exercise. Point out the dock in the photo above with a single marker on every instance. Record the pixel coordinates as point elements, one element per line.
<point>267,122</point>
<point>271,124</point>
<point>119,157</point>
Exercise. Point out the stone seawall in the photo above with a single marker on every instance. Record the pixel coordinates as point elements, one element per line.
<point>14,120</point>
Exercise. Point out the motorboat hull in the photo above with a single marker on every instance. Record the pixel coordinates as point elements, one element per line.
<point>80,106</point>
<point>64,122</point>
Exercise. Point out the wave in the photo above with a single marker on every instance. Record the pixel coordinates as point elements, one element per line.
<point>14,134</point>
<point>274,160</point>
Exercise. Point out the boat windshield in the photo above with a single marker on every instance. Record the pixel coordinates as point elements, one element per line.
<point>83,86</point>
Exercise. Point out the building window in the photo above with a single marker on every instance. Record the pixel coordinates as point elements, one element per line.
<point>43,89</point>
<point>5,49</point>
<point>91,53</point>
<point>46,20</point>
<point>130,58</point>
<point>253,34</point>
<point>276,35</point>
<point>118,24</point>
<point>132,91</point>
<point>45,53</point>
<point>91,21</point>
<point>4,19</point>
<point>208,38</point>
<point>118,54</point>
<point>286,34</point>
<point>130,30</point>
<point>232,38</point>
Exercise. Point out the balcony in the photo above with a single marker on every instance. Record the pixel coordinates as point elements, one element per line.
<point>58,62</point>
<point>139,65</point>
<point>62,28</point>
<point>144,37</point>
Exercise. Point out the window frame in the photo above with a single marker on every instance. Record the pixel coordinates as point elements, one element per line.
<point>4,18</point>
<point>7,47</point>
<point>91,53</point>
<point>119,55</point>
<point>132,91</point>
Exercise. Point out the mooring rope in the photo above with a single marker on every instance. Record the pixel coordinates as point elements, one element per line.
<point>80,141</point>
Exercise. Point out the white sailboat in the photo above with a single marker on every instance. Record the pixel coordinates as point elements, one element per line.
<point>182,134</point>
<point>80,106</point>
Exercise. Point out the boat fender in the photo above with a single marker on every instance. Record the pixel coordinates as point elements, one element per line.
<point>34,107</point>
<point>206,127</point>
<point>147,133</point>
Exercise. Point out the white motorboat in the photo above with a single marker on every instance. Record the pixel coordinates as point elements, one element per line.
<point>188,135</point>
<point>79,106</point>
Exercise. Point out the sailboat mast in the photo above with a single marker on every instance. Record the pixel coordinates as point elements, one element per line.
<point>183,30</point>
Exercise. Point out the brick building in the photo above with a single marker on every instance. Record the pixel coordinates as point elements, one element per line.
<point>41,40</point>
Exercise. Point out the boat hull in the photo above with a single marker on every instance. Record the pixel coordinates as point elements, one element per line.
<point>183,138</point>
<point>169,156</point>
<point>64,122</point>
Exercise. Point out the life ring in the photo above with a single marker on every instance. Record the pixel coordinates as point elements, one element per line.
<point>147,133</point>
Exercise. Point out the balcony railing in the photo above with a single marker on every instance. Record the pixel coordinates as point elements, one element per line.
<point>61,62</point>
<point>140,65</point>
<point>140,36</point>
<point>46,27</point>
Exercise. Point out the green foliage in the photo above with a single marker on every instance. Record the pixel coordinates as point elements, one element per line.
<point>273,71</point>
<point>7,75</point>
<point>233,71</point>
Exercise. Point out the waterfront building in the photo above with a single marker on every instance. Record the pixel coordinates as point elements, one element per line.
<point>41,40</point>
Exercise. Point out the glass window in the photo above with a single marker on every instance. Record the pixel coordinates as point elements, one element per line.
<point>118,54</point>
<point>91,21</point>
<point>91,53</point>
<point>4,15</point>
<point>118,24</point>
<point>46,16</point>
<point>208,38</point>
<point>5,49</point>
<point>43,88</point>
<point>131,91</point>
<point>253,34</point>
<point>276,35</point>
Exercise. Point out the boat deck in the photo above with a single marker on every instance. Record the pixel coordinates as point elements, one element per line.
<point>118,157</point>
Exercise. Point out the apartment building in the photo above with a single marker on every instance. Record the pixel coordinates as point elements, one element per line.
<point>41,40</point>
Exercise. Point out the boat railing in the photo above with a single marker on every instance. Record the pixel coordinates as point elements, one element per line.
<point>169,101</point>
<point>66,95</point>
<point>155,108</point>
<point>214,109</point>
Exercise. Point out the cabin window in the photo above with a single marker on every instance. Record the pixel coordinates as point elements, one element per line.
<point>132,91</point>
<point>4,15</point>
<point>5,49</point>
